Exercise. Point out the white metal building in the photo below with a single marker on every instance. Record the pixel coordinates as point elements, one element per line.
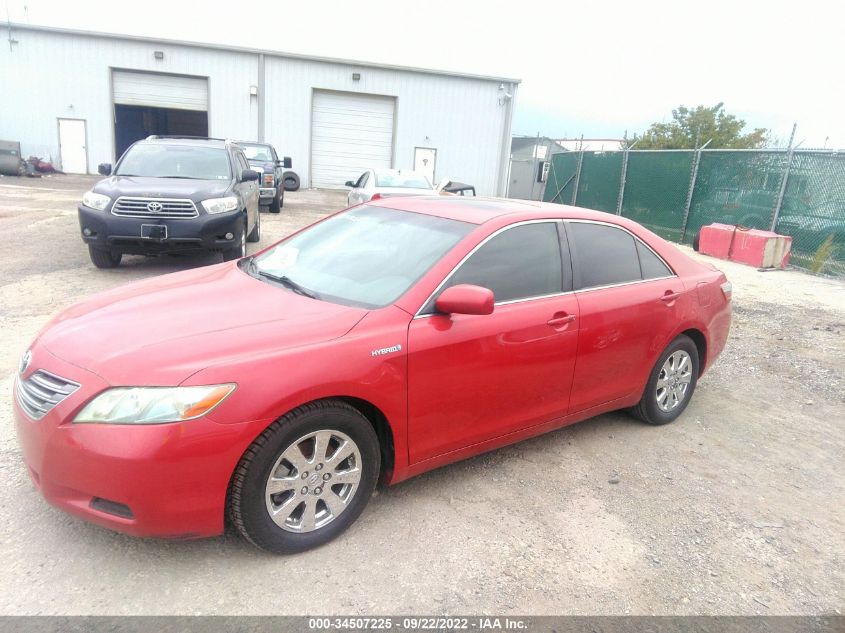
<point>81,98</point>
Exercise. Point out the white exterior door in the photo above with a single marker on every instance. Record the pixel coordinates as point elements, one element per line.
<point>424,162</point>
<point>350,133</point>
<point>72,147</point>
<point>160,91</point>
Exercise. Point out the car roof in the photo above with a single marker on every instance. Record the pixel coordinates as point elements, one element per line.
<point>194,142</point>
<point>478,210</point>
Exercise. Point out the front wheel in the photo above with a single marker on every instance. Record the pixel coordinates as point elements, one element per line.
<point>306,478</point>
<point>102,258</point>
<point>255,233</point>
<point>278,200</point>
<point>671,383</point>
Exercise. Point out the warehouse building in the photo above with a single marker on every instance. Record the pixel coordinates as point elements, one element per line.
<point>81,98</point>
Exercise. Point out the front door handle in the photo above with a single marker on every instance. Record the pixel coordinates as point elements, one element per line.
<point>670,296</point>
<point>561,320</point>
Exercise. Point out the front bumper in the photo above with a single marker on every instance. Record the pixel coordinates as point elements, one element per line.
<point>184,235</point>
<point>266,194</point>
<point>173,478</point>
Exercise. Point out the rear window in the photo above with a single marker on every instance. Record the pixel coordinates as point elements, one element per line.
<point>407,181</point>
<point>175,161</point>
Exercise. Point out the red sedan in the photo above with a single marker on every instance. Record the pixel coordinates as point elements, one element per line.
<point>377,344</point>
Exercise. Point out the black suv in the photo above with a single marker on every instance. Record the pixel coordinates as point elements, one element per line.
<point>262,158</point>
<point>171,195</point>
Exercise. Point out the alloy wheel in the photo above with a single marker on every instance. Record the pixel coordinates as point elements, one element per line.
<point>313,481</point>
<point>673,381</point>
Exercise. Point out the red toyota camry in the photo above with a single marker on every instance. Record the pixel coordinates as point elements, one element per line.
<point>377,344</point>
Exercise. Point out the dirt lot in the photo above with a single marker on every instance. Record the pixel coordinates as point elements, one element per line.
<point>737,508</point>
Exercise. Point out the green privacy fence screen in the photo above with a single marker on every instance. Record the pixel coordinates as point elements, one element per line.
<point>664,191</point>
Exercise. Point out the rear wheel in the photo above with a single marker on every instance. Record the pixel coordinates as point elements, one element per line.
<point>102,258</point>
<point>306,478</point>
<point>671,383</point>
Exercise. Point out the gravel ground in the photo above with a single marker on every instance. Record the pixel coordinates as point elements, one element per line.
<point>737,508</point>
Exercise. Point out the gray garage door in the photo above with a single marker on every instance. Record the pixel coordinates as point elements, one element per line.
<point>160,91</point>
<point>349,134</point>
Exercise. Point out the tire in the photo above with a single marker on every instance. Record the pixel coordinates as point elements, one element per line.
<point>278,200</point>
<point>294,529</point>
<point>102,258</point>
<point>255,233</point>
<point>238,251</point>
<point>291,181</point>
<point>696,242</point>
<point>652,407</point>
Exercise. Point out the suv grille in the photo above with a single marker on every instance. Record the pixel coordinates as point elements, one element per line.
<point>154,208</point>
<point>42,391</point>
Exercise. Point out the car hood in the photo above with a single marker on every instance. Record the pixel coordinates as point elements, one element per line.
<point>196,190</point>
<point>162,330</point>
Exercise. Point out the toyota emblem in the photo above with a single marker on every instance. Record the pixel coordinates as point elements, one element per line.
<point>154,207</point>
<point>25,361</point>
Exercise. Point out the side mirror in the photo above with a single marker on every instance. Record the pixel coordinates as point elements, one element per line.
<point>249,175</point>
<point>287,163</point>
<point>104,169</point>
<point>350,183</point>
<point>465,299</point>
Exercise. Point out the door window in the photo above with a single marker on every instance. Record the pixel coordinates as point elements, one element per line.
<point>606,255</point>
<point>518,263</point>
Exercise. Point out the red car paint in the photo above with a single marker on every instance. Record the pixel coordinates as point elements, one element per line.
<point>449,386</point>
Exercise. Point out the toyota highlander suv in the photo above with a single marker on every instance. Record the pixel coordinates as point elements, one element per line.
<point>171,195</point>
<point>262,158</point>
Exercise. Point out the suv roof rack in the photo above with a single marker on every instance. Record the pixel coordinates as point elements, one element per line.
<point>154,137</point>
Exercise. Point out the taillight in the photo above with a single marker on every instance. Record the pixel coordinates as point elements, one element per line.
<point>376,196</point>
<point>268,180</point>
<point>727,290</point>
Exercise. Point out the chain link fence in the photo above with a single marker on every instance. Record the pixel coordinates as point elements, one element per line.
<point>675,192</point>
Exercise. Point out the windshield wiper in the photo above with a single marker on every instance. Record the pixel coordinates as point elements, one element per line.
<point>285,281</point>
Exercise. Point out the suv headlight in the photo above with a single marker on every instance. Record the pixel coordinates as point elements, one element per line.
<point>220,205</point>
<point>152,405</point>
<point>95,200</point>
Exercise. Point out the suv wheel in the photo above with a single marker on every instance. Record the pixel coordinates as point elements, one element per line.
<point>102,258</point>
<point>278,200</point>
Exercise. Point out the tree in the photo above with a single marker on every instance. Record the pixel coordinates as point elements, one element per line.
<point>701,124</point>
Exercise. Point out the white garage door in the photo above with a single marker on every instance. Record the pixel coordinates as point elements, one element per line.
<point>160,91</point>
<point>349,134</point>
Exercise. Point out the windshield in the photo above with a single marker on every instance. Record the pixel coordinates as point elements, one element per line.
<point>367,257</point>
<point>175,161</point>
<point>257,152</point>
<point>408,181</point>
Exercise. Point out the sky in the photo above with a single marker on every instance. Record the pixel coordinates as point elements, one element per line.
<point>592,67</point>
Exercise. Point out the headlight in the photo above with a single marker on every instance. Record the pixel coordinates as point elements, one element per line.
<point>95,200</point>
<point>152,405</point>
<point>268,180</point>
<point>220,205</point>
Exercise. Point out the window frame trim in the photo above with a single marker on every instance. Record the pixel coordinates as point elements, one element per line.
<point>562,224</point>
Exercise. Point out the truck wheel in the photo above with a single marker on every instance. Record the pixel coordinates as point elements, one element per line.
<point>255,233</point>
<point>276,203</point>
<point>102,258</point>
<point>291,181</point>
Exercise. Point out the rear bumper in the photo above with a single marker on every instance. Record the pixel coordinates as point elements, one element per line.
<point>166,480</point>
<point>116,233</point>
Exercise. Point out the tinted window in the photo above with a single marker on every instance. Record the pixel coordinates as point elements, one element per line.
<point>603,255</point>
<point>650,263</point>
<point>518,263</point>
<point>175,161</point>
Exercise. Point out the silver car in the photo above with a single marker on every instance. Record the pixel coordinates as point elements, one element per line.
<point>383,183</point>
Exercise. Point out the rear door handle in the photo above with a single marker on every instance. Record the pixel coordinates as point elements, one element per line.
<point>561,320</point>
<point>670,296</point>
